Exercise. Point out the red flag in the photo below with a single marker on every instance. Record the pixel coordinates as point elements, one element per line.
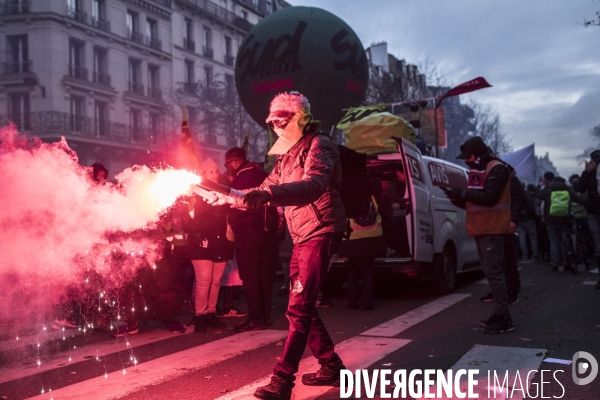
<point>470,86</point>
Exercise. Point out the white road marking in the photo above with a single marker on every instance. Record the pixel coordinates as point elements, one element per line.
<point>500,359</point>
<point>593,271</point>
<point>399,324</point>
<point>358,353</point>
<point>118,384</point>
<point>482,282</point>
<point>96,350</point>
<point>588,282</point>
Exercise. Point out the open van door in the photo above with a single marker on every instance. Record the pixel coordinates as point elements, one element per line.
<point>419,220</point>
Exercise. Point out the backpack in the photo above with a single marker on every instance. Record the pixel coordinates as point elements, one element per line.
<point>559,203</point>
<point>357,185</point>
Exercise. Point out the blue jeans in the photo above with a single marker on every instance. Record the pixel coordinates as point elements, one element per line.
<point>557,246</point>
<point>308,267</point>
<point>528,228</point>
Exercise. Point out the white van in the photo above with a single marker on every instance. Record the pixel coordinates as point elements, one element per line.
<point>427,232</point>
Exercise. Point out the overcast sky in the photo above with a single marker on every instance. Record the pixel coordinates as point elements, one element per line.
<point>544,65</point>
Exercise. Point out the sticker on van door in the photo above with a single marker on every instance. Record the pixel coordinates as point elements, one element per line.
<point>416,170</point>
<point>446,175</point>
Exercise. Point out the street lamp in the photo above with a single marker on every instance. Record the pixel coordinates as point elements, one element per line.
<point>32,82</point>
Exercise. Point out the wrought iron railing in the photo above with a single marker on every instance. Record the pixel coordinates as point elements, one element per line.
<point>189,87</point>
<point>102,78</point>
<point>15,7</point>
<point>78,72</point>
<point>55,122</point>
<point>154,43</point>
<point>101,23</point>
<point>136,37</point>
<point>136,87</point>
<point>164,3</point>
<point>207,51</point>
<point>229,60</point>
<point>189,44</point>
<point>16,67</point>
<point>208,7</point>
<point>77,15</point>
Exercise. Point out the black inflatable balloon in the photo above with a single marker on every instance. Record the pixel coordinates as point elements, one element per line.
<point>305,49</point>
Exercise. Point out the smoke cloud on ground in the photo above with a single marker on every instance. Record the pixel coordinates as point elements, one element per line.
<point>59,228</point>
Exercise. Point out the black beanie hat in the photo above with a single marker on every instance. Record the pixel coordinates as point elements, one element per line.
<point>474,146</point>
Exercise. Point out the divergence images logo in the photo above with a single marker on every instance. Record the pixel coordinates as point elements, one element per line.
<point>583,367</point>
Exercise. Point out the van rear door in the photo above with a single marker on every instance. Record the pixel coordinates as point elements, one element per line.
<point>419,221</point>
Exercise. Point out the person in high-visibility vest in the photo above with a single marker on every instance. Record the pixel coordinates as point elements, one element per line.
<point>487,202</point>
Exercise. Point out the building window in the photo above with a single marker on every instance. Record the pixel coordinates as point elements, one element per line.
<point>135,123</point>
<point>75,11</point>
<point>245,15</point>
<point>255,4</point>
<point>188,35</point>
<point>223,4</point>
<point>18,55</point>
<point>188,76</point>
<point>207,49</point>
<point>269,7</point>
<point>101,75</point>
<point>152,34</point>
<point>228,52</point>
<point>16,7</point>
<point>229,87</point>
<point>155,127</point>
<point>100,118</point>
<point>77,113</point>
<point>133,27</point>
<point>99,19</point>
<point>76,59</point>
<point>135,76</point>
<point>19,110</point>
<point>153,82</point>
<point>208,76</point>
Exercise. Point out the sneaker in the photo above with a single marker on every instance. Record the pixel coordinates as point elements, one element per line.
<point>69,323</point>
<point>128,328</point>
<point>250,326</point>
<point>325,376</point>
<point>513,297</point>
<point>234,312</point>
<point>174,327</point>
<point>488,298</point>
<point>500,324</point>
<point>278,389</point>
<point>486,322</point>
<point>323,303</point>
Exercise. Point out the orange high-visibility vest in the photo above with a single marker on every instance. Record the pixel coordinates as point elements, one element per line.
<point>493,220</point>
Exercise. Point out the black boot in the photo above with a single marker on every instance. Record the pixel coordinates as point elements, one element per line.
<point>214,322</point>
<point>278,389</point>
<point>200,323</point>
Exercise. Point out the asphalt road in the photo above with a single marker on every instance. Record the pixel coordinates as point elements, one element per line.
<point>557,316</point>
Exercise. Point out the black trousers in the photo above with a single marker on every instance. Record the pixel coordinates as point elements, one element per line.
<point>511,271</point>
<point>491,254</point>
<point>252,252</point>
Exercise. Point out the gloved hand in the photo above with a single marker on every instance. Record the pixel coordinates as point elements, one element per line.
<point>256,198</point>
<point>454,193</point>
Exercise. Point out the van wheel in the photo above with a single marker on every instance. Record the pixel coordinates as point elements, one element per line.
<point>446,267</point>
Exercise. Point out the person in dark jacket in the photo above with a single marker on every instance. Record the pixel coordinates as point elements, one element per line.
<point>588,183</point>
<point>527,224</point>
<point>209,250</point>
<point>254,241</point>
<point>306,180</point>
<point>487,202</point>
<point>557,225</point>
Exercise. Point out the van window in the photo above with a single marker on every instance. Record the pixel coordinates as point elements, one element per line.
<point>392,207</point>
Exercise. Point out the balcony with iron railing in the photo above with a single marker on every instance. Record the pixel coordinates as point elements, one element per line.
<point>17,67</point>
<point>189,44</point>
<point>229,60</point>
<point>136,87</point>
<point>78,72</point>
<point>135,37</point>
<point>15,7</point>
<point>207,51</point>
<point>164,3</point>
<point>155,93</point>
<point>154,43</point>
<point>221,13</point>
<point>102,78</point>
<point>101,23</point>
<point>189,87</point>
<point>77,15</point>
<point>61,123</point>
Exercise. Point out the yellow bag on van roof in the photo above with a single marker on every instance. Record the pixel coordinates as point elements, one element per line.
<point>373,134</point>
